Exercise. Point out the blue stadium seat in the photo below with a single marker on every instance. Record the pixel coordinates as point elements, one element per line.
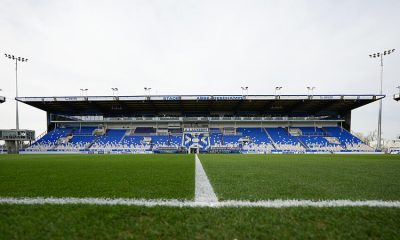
<point>281,136</point>
<point>257,135</point>
<point>247,140</point>
<point>342,135</point>
<point>53,136</point>
<point>112,136</point>
<point>84,131</point>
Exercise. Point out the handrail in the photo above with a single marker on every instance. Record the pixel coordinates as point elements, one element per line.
<point>40,136</point>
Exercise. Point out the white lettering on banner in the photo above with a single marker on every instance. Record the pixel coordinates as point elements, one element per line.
<point>195,129</point>
<point>71,99</point>
<point>203,97</point>
<point>171,98</point>
<point>228,97</point>
<point>219,98</point>
<point>326,97</point>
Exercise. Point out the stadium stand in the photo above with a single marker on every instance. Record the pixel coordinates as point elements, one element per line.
<point>284,141</point>
<point>316,139</point>
<point>394,145</point>
<point>52,139</point>
<point>226,124</point>
<point>256,140</point>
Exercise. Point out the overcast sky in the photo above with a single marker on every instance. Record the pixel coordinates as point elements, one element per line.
<point>200,47</point>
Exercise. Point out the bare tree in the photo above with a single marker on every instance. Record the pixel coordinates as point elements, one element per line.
<point>368,138</point>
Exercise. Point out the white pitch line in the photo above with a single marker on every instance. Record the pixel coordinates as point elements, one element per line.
<point>192,204</point>
<point>204,192</point>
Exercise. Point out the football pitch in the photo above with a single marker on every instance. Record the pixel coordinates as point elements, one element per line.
<point>156,196</point>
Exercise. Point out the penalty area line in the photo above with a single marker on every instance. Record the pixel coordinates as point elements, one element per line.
<point>194,204</point>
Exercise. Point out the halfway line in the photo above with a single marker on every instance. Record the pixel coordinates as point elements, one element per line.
<point>203,189</point>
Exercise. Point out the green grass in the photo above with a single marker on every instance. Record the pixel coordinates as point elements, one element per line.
<point>133,176</point>
<point>255,177</point>
<point>122,222</point>
<point>246,177</point>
